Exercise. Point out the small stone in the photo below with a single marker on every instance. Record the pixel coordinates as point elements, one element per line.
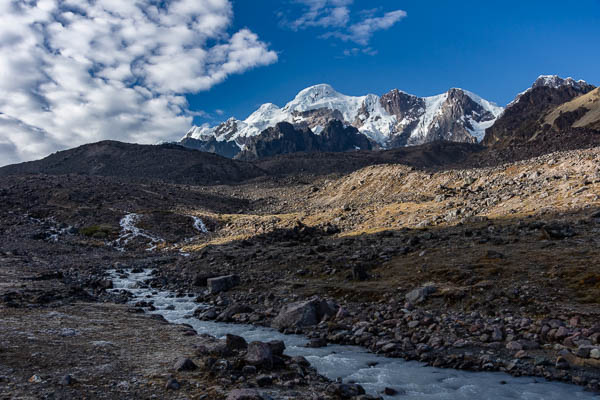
<point>264,380</point>
<point>67,380</point>
<point>516,346</point>
<point>222,283</point>
<point>249,370</point>
<point>561,333</point>
<point>244,394</point>
<point>172,384</point>
<point>520,354</point>
<point>583,351</point>
<point>562,363</point>
<point>317,343</point>
<point>185,364</point>
<point>419,295</point>
<point>390,391</point>
<point>595,353</point>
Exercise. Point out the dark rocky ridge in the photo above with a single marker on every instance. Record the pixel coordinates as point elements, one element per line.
<point>168,162</point>
<point>284,138</point>
<point>523,119</point>
<point>227,149</point>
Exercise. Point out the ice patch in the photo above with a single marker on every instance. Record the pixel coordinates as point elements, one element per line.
<point>129,232</point>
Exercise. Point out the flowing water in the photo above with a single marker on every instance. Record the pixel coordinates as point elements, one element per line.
<point>354,364</point>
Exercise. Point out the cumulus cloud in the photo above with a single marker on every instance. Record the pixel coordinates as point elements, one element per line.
<point>335,17</point>
<point>76,71</point>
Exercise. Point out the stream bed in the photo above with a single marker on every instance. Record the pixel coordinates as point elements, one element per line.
<point>355,364</point>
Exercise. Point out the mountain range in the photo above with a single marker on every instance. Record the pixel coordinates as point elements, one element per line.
<point>393,120</point>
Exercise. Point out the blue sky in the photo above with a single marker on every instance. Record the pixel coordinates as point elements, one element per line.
<point>495,49</point>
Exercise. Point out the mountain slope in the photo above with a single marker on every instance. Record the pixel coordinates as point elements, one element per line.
<point>581,112</point>
<point>523,118</point>
<point>284,138</point>
<point>168,162</point>
<point>392,120</point>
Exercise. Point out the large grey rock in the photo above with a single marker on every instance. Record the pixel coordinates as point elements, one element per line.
<point>260,355</point>
<point>234,342</point>
<point>419,295</point>
<point>222,283</point>
<point>303,313</point>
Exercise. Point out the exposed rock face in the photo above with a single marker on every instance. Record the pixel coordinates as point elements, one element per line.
<point>284,138</point>
<point>315,120</point>
<point>523,119</point>
<point>458,119</point>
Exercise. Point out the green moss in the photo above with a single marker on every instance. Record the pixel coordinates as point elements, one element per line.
<point>98,231</point>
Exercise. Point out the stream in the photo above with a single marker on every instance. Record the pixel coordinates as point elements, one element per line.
<point>355,364</point>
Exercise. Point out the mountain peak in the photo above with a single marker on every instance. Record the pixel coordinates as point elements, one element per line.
<point>317,92</point>
<point>555,81</point>
<point>268,106</point>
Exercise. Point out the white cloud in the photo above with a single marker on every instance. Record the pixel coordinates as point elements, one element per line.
<point>76,71</point>
<point>322,13</point>
<point>335,16</point>
<point>362,31</point>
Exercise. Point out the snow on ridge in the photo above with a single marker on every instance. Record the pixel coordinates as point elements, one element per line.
<point>553,81</point>
<point>325,96</point>
<point>433,107</point>
<point>364,112</point>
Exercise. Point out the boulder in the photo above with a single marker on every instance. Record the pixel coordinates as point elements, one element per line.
<point>419,295</point>
<point>172,384</point>
<point>234,342</point>
<point>260,355</point>
<point>185,364</point>
<point>277,347</point>
<point>233,310</point>
<point>345,390</point>
<point>222,283</point>
<point>303,313</point>
<point>264,380</point>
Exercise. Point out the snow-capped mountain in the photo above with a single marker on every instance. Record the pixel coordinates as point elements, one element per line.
<point>552,82</point>
<point>392,120</point>
<point>523,118</point>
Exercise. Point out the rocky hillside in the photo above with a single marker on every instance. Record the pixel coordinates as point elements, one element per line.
<point>523,119</point>
<point>167,162</point>
<point>581,112</point>
<point>284,138</point>
<point>392,120</point>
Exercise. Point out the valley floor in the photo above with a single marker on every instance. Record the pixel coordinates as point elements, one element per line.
<point>482,269</point>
